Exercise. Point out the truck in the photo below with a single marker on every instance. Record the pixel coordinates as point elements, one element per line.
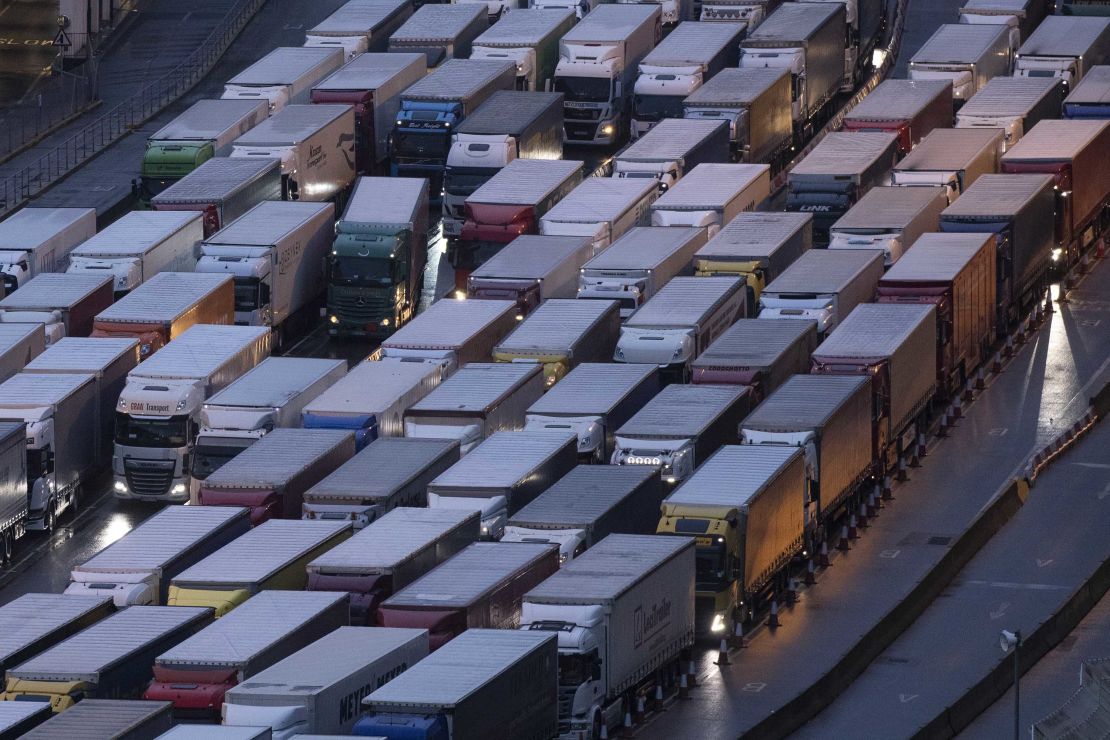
<point>34,622</point>
<point>158,413</point>
<point>511,204</point>
<point>197,673</point>
<point>285,75</point>
<point>1084,7</point>
<point>1013,104</point>
<point>596,73</point>
<point>34,241</point>
<point>679,322</point>
<point>711,195</point>
<point>166,306</point>
<point>204,131</point>
<point>318,688</point>
<point>450,334</point>
<point>13,487</point>
<point>1020,211</point>
<point>1091,97</point>
<point>316,146</point>
<point>271,556</point>
<point>529,37</point>
<point>890,219</point>
<point>823,285</point>
<point>671,149</point>
<point>561,334</point>
<point>137,568</point>
<point>375,268</point>
<point>59,412</point>
<point>837,173</point>
<point>636,266</point>
<point>756,104</point>
<point>372,84</point>
<point>1021,16</point>
<point>896,346</point>
<point>530,270</point>
<point>275,255</point>
<point>18,718</point>
<point>967,56</point>
<point>486,683</point>
<point>747,504</point>
<point>604,668</point>
<point>223,189</point>
<point>808,40</point>
<point>690,56</point>
<point>510,125</point>
<point>393,550</point>
<point>108,718</point>
<point>758,354</point>
<point>679,429</point>
<point>371,399</point>
<point>955,273</point>
<point>359,26</point>
<point>139,246</point>
<point>441,32</point>
<point>269,396</point>
<point>866,20</point>
<point>829,418</point>
<point>478,588</point>
<point>602,209</point>
<point>111,658</point>
<point>951,158</point>
<point>751,12</point>
<point>909,109</point>
<point>1072,152</point>
<point>674,12</point>
<point>587,505</point>
<point>478,400</point>
<point>388,473</point>
<point>1064,48</point>
<point>433,107</point>
<point>63,303</point>
<point>270,477</point>
<point>107,360</point>
<point>593,401</point>
<point>756,247</point>
<point>503,473</point>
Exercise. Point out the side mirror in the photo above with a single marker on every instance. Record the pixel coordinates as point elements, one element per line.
<point>618,89</point>
<point>595,671</point>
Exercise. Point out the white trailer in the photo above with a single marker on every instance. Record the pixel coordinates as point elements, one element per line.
<point>285,75</point>
<point>967,55</point>
<point>38,240</point>
<point>139,246</point>
<point>449,334</point>
<point>823,285</point>
<point>33,622</point>
<point>756,103</point>
<point>64,303</point>
<point>275,254</point>
<point>531,269</point>
<point>531,39</point>
<point>442,32</point>
<point>13,487</point>
<point>890,219</point>
<point>672,148</point>
<point>359,26</point>
<point>602,209</point>
<point>711,195</point>
<point>1064,48</point>
<point>316,146</point>
<point>951,158</point>
<point>1013,104</point>
<point>318,688</point>
<point>478,400</point>
<point>19,344</point>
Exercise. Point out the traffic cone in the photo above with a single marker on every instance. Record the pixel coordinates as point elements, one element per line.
<point>604,730</point>
<point>773,620</point>
<point>1008,350</point>
<point>691,674</point>
<point>872,506</point>
<point>844,545</point>
<point>853,531</point>
<point>980,380</point>
<point>683,687</point>
<point>823,555</point>
<point>811,574</point>
<point>862,516</point>
<point>791,592</point>
<point>722,654</point>
<point>626,730</point>
<point>877,494</point>
<point>942,429</point>
<point>922,446</point>
<point>968,393</point>
<point>738,638</point>
<point>638,715</point>
<point>957,408</point>
<point>996,364</point>
<point>902,476</point>
<point>658,695</point>
<point>888,488</point>
<point>1048,304</point>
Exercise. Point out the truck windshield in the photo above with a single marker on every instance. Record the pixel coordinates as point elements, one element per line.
<point>710,566</point>
<point>152,432</point>
<point>576,668</point>
<point>657,107</point>
<point>465,180</point>
<point>251,294</point>
<point>583,89</point>
<point>361,271</point>
<point>152,186</point>
<point>36,464</point>
<point>421,144</point>
<point>210,457</point>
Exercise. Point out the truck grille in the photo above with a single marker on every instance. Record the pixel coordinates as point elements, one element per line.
<point>149,478</point>
<point>357,307</point>
<point>582,114</point>
<point>581,132</point>
<point>566,704</point>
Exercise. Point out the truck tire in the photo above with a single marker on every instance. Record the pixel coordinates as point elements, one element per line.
<point>49,518</point>
<point>595,726</point>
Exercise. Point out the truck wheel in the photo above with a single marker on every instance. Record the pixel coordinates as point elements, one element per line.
<point>48,518</point>
<point>595,729</point>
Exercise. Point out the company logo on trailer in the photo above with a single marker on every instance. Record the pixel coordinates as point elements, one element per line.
<point>646,623</point>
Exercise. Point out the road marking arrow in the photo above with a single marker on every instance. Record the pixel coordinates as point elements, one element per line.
<point>1105,492</point>
<point>1002,608</point>
<point>1043,563</point>
<point>906,697</point>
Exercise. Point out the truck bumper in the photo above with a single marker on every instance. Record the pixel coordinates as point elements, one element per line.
<point>598,133</point>
<point>176,493</point>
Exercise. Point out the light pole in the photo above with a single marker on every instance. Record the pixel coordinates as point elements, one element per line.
<point>1011,641</point>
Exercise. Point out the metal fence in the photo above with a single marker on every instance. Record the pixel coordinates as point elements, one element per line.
<point>56,100</point>
<point>17,188</point>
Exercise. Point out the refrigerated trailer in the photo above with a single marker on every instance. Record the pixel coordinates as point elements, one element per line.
<point>823,285</point>
<point>756,103</point>
<point>967,56</point>
<point>603,209</point>
<point>1064,48</point>
<point>63,303</point>
<point>223,189</point>
<point>138,567</point>
<point>18,718</point>
<point>890,219</point>
<point>1013,104</point>
<point>359,26</point>
<point>711,195</point>
<point>285,75</point>
<point>561,334</point>
<point>33,623</point>
<point>1091,97</point>
<point>442,32</point>
<point>951,158</point>
<point>1020,16</point>
<point>530,38</point>
<point>757,353</point>
<point>530,270</point>
<point>671,149</point>
<point>118,719</point>
<point>19,344</point>
<point>13,487</point>
<point>34,241</point>
<point>910,109</point>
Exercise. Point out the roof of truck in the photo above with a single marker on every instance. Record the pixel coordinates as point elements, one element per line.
<point>200,350</point>
<point>136,233</point>
<point>756,342</point>
<point>998,195</point>
<point>97,719</point>
<point>1009,96</point>
<point>165,296</point>
<point>439,22</point>
<point>609,568</point>
<point>682,411</point>
<point>1056,139</point>
<point>371,70</point>
<point>505,458</point>
<point>950,148</point>
<point>846,153</point>
<point>613,22</point>
<point>28,618</point>
<point>601,198</point>
<point>558,324</point>
<point>524,27</point>
<point>897,99</point>
<point>207,119</point>
<point>475,387</point>
<point>14,713</point>
<point>218,178</point>
<point>54,290</point>
<point>593,388</point>
<point>644,247</point>
<point>937,256</point>
<point>734,86</point>
<point>712,184</point>
<point>475,570</point>
<point>371,387</point>
<point>755,234</point>
<point>792,22</point>
<point>356,17</point>
<point>531,256</point>
<point>17,229</point>
<point>84,354</point>
<point>218,732</point>
<point>267,223</point>
<point>996,7</point>
<point>805,402</point>
<point>278,456</point>
<point>285,64</point>
<point>874,330</point>
<point>386,200</point>
<point>294,124</point>
<point>736,474</point>
<point>31,390</point>
<point>1062,35</point>
<point>448,323</point>
<point>1093,88</point>
<point>456,76</point>
<point>693,43</point>
<point>890,208</point>
<point>395,537</point>
<point>525,181</point>
<point>583,495</point>
<point>960,43</point>
<point>252,557</point>
<point>274,381</point>
<point>256,625</point>
<point>511,111</point>
<point>383,467</point>
<point>671,138</point>
<point>824,270</point>
<point>684,301</point>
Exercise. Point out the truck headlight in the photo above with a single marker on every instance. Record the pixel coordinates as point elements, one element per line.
<point>607,130</point>
<point>333,319</point>
<point>178,489</point>
<point>120,487</point>
<point>385,322</point>
<point>718,623</point>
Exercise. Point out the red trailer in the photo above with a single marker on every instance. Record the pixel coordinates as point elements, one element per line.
<point>908,108</point>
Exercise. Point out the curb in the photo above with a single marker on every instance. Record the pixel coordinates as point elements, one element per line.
<point>1098,408</point>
